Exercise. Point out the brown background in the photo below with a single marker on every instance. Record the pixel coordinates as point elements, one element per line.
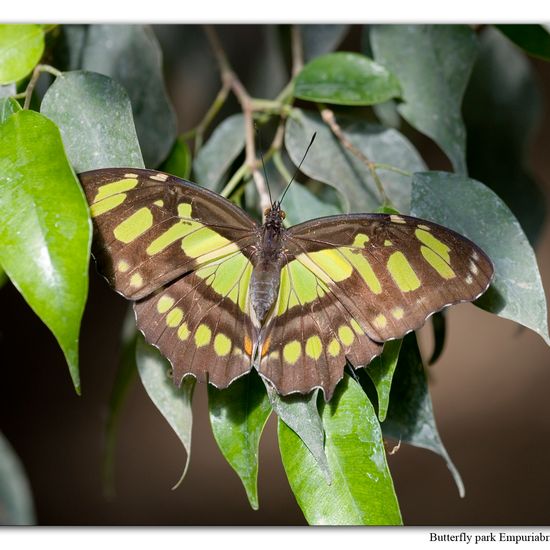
<point>490,393</point>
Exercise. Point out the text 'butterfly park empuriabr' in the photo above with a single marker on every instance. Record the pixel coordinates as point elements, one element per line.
<point>218,293</point>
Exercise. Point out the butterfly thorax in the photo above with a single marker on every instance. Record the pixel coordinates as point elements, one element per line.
<point>265,280</point>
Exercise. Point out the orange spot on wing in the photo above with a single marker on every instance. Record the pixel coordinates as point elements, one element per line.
<point>247,345</point>
<point>265,347</point>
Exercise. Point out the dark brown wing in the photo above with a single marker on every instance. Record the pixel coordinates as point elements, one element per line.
<point>150,227</point>
<point>352,282</point>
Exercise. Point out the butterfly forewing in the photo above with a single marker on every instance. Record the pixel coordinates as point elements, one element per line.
<point>391,272</point>
<point>149,227</point>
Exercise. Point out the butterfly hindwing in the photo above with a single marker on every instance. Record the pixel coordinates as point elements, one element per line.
<point>310,336</point>
<point>201,322</point>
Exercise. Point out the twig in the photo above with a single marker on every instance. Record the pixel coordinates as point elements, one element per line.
<point>230,79</point>
<point>38,70</point>
<point>328,117</point>
<point>297,50</point>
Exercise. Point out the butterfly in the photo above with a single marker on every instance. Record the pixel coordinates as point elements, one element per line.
<point>218,293</point>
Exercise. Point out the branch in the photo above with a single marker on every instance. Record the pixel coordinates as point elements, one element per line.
<point>328,117</point>
<point>230,79</point>
<point>297,50</point>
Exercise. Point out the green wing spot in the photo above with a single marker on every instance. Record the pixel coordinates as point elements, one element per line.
<point>115,187</point>
<point>402,272</point>
<point>435,244</point>
<point>437,262</point>
<point>134,226</point>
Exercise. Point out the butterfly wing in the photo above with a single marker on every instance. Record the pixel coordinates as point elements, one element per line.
<point>150,227</point>
<point>184,255</point>
<point>375,278</point>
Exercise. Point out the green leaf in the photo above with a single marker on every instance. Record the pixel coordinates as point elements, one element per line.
<point>300,414</point>
<point>380,370</point>
<point>433,64</point>
<point>124,378</point>
<point>320,39</point>
<point>179,160</point>
<point>172,402</point>
<point>238,415</point>
<point>361,492</point>
<point>502,109</point>
<point>410,415</point>
<point>45,231</point>
<point>94,115</point>
<point>21,47</point>
<point>131,55</point>
<point>472,209</point>
<point>216,156</point>
<point>16,506</point>
<point>7,90</point>
<point>302,205</point>
<point>534,39</point>
<point>330,162</point>
<point>346,78</point>
<point>8,106</point>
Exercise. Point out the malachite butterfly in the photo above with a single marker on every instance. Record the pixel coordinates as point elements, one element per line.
<point>219,294</point>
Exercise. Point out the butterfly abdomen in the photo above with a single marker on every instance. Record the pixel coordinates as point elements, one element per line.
<point>266,276</point>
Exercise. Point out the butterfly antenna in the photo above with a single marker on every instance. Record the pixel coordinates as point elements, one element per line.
<point>263,163</point>
<point>298,169</point>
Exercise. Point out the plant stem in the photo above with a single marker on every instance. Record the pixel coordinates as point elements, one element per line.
<point>391,168</point>
<point>38,70</point>
<point>230,79</point>
<point>297,50</point>
<point>328,117</point>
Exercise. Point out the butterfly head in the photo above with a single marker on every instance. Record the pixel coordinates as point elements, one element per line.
<point>274,216</point>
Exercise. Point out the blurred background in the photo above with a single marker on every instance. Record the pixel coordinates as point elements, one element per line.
<point>489,388</point>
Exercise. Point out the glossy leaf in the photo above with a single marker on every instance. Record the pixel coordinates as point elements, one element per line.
<point>502,109</point>
<point>345,78</point>
<point>218,153</point>
<point>410,417</point>
<point>330,162</point>
<point>94,115</point>
<point>534,39</point>
<point>131,55</point>
<point>179,160</point>
<point>8,106</point>
<point>301,415</point>
<point>380,370</point>
<point>302,205</point>
<point>45,232</point>
<point>472,209</point>
<point>433,64</point>
<point>320,39</point>
<point>125,375</point>
<point>172,402</point>
<point>21,47</point>
<point>16,505</point>
<point>7,90</point>
<point>238,415</point>
<point>361,492</point>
